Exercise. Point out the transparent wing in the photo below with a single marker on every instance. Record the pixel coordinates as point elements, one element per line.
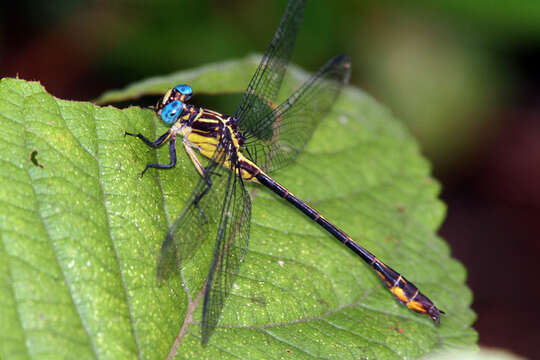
<point>231,246</point>
<point>266,82</point>
<point>284,131</point>
<point>190,229</point>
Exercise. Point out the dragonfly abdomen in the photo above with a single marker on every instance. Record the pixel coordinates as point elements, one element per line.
<point>405,292</point>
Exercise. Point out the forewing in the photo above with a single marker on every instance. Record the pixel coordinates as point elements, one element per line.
<point>282,133</point>
<point>231,247</point>
<point>266,82</point>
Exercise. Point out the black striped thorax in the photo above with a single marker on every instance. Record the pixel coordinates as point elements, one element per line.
<point>208,123</point>
<point>212,124</point>
<point>204,129</point>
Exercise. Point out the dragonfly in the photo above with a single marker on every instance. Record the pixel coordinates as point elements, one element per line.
<point>258,139</point>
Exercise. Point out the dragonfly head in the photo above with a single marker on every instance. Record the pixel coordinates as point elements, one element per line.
<point>173,103</point>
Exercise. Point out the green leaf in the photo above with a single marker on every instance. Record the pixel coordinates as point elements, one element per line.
<point>81,232</point>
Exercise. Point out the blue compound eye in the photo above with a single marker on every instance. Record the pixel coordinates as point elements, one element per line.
<point>172,111</point>
<point>184,89</point>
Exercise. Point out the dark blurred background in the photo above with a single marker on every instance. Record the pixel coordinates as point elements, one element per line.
<point>463,75</point>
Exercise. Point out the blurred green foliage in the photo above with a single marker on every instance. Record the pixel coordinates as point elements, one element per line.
<point>443,86</point>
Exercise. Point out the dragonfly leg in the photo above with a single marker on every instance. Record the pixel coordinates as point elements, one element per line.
<point>156,143</point>
<point>202,171</point>
<point>201,195</point>
<point>194,159</point>
<point>172,156</point>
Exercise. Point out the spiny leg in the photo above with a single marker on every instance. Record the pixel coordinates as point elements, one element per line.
<point>202,171</point>
<point>156,143</point>
<point>201,195</point>
<point>172,156</point>
<point>194,159</point>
